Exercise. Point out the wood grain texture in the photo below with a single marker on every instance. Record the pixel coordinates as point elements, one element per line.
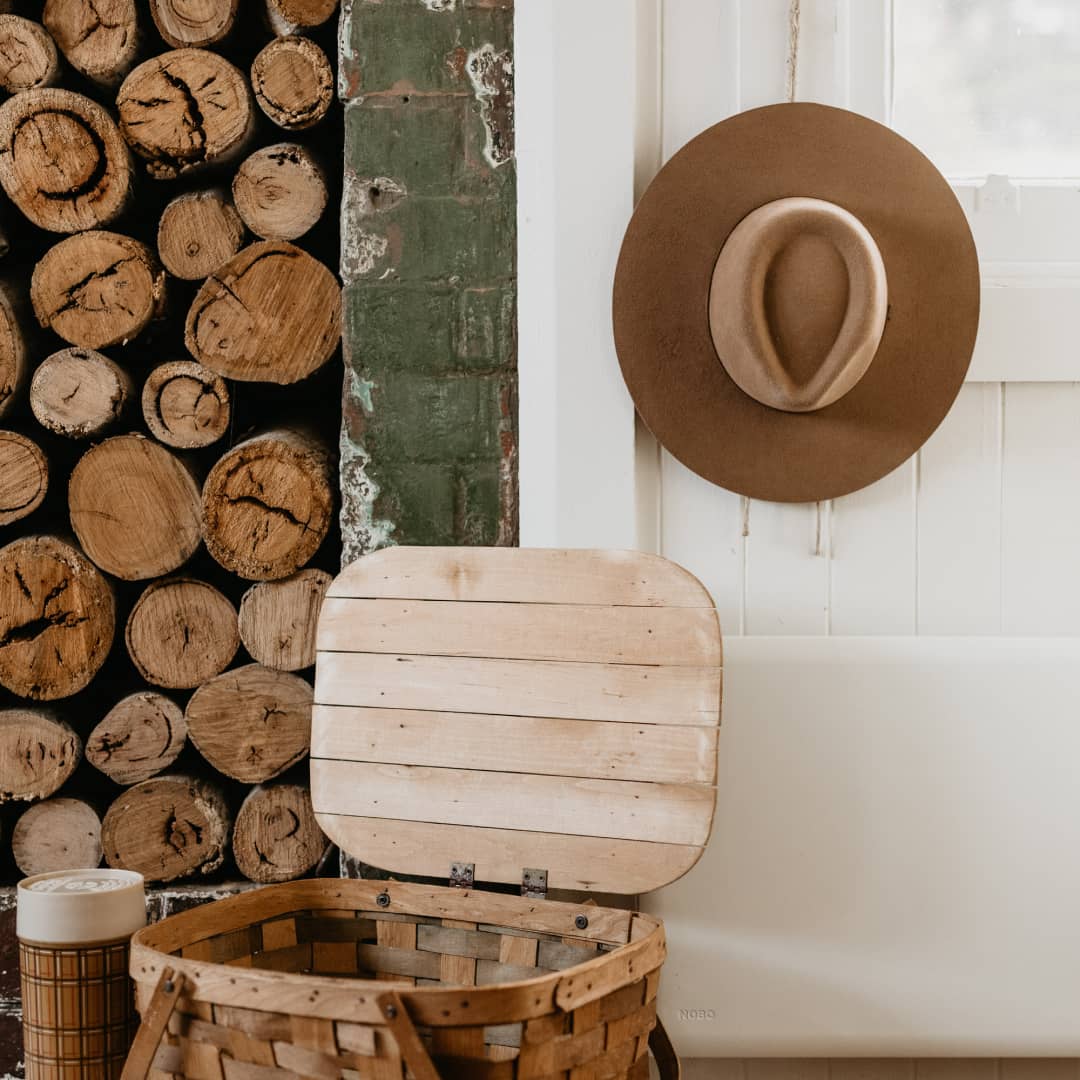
<point>24,477</point>
<point>38,754</point>
<point>99,38</point>
<point>280,191</point>
<point>193,23</point>
<point>139,737</point>
<point>14,358</point>
<point>79,393</point>
<point>524,699</point>
<point>276,837</point>
<point>186,405</point>
<point>57,834</point>
<point>28,57</point>
<point>288,15</point>
<point>278,619</point>
<point>293,82</point>
<point>198,232</point>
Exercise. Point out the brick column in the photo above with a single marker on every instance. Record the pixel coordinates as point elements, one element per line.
<point>429,436</point>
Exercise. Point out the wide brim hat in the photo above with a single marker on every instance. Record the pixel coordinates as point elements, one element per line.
<point>796,302</point>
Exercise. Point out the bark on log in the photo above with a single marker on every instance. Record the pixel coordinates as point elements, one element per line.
<point>28,57</point>
<point>185,405</point>
<point>24,477</point>
<point>252,723</point>
<point>134,507</point>
<point>98,289</point>
<point>280,191</point>
<point>79,393</point>
<point>167,828</point>
<point>184,110</point>
<point>293,82</point>
<point>193,23</point>
<point>99,38</point>
<point>62,160</point>
<point>198,232</point>
<point>140,736</point>
<point>38,753</point>
<point>181,632</point>
<point>267,504</point>
<point>276,837</point>
<point>287,16</point>
<point>278,619</point>
<point>272,313</point>
<point>57,617</point>
<point>14,363</point>
<point>58,834</point>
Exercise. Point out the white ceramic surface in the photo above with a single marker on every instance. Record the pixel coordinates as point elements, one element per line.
<point>80,907</point>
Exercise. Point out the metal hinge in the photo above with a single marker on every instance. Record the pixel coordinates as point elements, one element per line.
<point>462,875</point>
<point>534,883</point>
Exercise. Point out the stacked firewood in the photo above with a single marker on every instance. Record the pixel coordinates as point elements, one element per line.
<point>168,413</point>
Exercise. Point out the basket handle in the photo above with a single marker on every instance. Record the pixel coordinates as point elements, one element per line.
<point>140,1058</point>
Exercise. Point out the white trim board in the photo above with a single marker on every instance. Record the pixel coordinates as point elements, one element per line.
<point>894,867</point>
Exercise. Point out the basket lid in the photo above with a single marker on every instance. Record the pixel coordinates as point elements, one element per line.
<point>518,708</point>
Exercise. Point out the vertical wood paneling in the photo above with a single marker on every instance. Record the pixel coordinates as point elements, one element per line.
<point>1040,513</point>
<point>959,581</point>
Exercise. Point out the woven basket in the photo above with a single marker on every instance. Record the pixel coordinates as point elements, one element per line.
<point>369,980</point>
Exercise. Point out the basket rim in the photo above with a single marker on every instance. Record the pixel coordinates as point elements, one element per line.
<point>638,941</point>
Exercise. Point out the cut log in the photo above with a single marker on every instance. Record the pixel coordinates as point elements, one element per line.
<point>181,632</point>
<point>293,82</point>
<point>28,57</point>
<point>62,160</point>
<point>198,232</point>
<point>194,23</point>
<point>252,723</point>
<point>38,753</point>
<point>140,736</point>
<point>58,834</point>
<point>280,191</point>
<point>134,507</point>
<point>57,617</point>
<point>267,504</point>
<point>185,405</point>
<point>184,110</point>
<point>24,477</point>
<point>287,16</point>
<point>97,289</point>
<point>278,619</point>
<point>167,828</point>
<point>14,363</point>
<point>276,837</point>
<point>99,38</point>
<point>272,313</point>
<point>79,393</point>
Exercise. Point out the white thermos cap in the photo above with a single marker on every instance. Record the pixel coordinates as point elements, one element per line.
<point>80,907</point>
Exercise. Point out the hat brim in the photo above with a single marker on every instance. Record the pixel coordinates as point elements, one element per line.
<point>660,304</point>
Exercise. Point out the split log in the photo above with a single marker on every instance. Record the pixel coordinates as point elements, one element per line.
<point>181,632</point>
<point>185,109</point>
<point>134,507</point>
<point>62,160</point>
<point>194,23</point>
<point>97,289</point>
<point>198,232</point>
<point>167,828</point>
<point>276,837</point>
<point>140,736</point>
<point>272,313</point>
<point>14,362</point>
<point>38,753</point>
<point>24,477</point>
<point>58,834</point>
<point>293,82</point>
<point>185,405</point>
<point>278,619</point>
<point>287,16</point>
<point>267,504</point>
<point>280,191</point>
<point>252,723</point>
<point>57,617</point>
<point>28,57</point>
<point>79,393</point>
<point>99,38</point>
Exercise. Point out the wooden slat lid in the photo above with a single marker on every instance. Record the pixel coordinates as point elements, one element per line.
<point>518,708</point>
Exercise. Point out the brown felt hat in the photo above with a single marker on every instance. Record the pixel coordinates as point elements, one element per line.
<point>796,302</point>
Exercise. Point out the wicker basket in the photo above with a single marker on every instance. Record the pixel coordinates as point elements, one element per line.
<point>561,990</point>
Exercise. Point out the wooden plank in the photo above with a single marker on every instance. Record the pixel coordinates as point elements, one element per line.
<point>521,575</point>
<point>661,753</point>
<point>580,863</point>
<point>622,692</point>
<point>617,809</point>
<point>583,633</point>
